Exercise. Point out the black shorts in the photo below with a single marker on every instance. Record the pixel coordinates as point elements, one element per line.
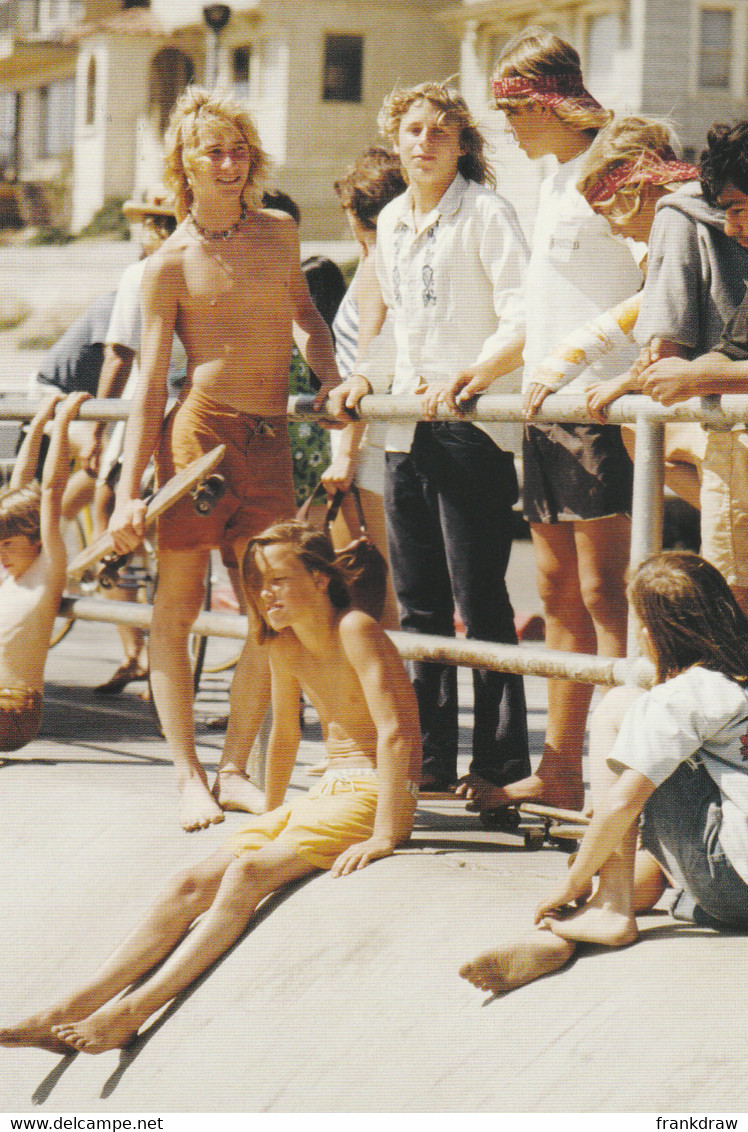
<point>575,471</point>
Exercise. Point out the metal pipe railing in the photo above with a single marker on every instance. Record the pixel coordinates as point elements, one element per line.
<point>646,537</point>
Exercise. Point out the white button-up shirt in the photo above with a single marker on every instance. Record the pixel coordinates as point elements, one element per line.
<point>454,287</point>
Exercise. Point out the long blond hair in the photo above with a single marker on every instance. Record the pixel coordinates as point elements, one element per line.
<point>539,56</point>
<point>632,141</point>
<point>453,110</point>
<point>194,109</point>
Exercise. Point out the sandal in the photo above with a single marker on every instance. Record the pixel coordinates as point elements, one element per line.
<point>127,672</point>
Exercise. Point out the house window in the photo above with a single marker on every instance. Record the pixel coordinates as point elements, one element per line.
<point>344,55</point>
<point>715,51</point>
<point>241,67</point>
<point>171,72</point>
<point>56,117</point>
<point>91,91</point>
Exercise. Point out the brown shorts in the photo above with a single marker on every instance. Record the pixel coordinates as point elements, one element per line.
<point>574,472</point>
<point>256,468</point>
<point>20,717</point>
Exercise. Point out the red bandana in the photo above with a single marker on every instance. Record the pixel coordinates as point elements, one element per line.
<point>659,168</point>
<point>550,90</point>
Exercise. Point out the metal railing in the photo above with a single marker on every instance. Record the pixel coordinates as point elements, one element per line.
<point>646,532</point>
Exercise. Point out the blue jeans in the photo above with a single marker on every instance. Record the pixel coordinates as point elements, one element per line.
<point>680,828</point>
<point>448,505</point>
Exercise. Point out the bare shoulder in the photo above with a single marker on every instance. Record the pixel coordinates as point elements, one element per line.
<point>279,227</point>
<point>359,633</point>
<point>165,267</point>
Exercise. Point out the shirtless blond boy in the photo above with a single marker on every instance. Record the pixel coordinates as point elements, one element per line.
<point>32,553</point>
<point>363,807</point>
<point>229,283</point>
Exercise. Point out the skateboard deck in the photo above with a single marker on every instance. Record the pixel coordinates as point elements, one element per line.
<point>165,497</point>
<point>538,824</point>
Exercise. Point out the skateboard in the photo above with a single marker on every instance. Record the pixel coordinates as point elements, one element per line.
<point>199,478</point>
<point>547,825</point>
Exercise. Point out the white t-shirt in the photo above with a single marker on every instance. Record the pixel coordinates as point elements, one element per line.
<point>126,323</point>
<point>697,712</point>
<point>577,270</point>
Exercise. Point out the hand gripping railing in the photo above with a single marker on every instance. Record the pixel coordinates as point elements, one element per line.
<point>646,532</point>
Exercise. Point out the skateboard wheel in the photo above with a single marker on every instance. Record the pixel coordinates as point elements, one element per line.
<point>504,817</point>
<point>207,493</point>
<point>534,839</point>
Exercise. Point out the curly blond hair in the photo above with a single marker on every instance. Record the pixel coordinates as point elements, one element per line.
<point>537,54</point>
<point>197,108</point>
<point>453,110</point>
<point>635,140</point>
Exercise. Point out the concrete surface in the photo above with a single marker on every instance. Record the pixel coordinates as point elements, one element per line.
<point>344,995</point>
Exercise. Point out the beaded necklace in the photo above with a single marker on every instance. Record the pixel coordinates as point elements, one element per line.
<point>226,233</point>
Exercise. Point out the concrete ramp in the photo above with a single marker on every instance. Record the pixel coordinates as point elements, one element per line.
<point>344,996</point>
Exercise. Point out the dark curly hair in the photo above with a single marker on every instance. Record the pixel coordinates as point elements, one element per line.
<point>725,160</point>
<point>372,181</point>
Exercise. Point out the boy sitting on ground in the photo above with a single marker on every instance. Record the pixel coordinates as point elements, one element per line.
<point>32,553</point>
<point>361,809</point>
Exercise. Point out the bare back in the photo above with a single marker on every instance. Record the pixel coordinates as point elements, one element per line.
<point>28,606</point>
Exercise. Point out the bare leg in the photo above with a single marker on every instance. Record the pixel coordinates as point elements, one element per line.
<point>538,953</point>
<point>246,881</point>
<point>186,896</point>
<point>248,705</point>
<point>608,917</point>
<point>178,599</point>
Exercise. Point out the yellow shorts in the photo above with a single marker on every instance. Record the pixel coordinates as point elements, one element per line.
<point>724,504</point>
<point>334,815</point>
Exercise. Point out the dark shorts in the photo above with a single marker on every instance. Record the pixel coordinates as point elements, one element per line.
<point>680,827</point>
<point>574,472</point>
<point>256,468</point>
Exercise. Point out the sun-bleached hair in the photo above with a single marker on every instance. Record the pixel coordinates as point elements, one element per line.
<point>20,512</point>
<point>453,110</point>
<point>539,55</point>
<point>195,109</point>
<point>691,615</point>
<point>631,140</point>
<point>313,549</point>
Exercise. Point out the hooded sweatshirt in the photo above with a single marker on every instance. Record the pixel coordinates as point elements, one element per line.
<point>696,275</point>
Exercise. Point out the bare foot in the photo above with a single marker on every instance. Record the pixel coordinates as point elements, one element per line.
<point>35,1031</point>
<point>233,791</point>
<point>515,964</point>
<point>112,1027</point>
<point>197,807</point>
<point>596,922</point>
<point>566,795</point>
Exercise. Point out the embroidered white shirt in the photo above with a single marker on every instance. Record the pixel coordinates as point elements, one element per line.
<point>454,287</point>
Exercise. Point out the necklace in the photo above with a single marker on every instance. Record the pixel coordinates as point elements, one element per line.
<point>226,233</point>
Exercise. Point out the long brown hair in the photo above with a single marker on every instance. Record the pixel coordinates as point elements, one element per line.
<point>537,54</point>
<point>454,110</point>
<point>313,549</point>
<point>691,615</point>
